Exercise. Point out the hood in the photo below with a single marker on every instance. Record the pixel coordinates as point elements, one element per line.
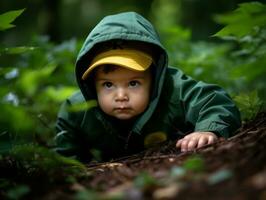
<point>119,28</point>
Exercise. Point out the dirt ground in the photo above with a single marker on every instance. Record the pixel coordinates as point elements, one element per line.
<point>229,169</point>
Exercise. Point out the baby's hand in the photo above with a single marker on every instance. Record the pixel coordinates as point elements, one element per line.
<point>196,140</point>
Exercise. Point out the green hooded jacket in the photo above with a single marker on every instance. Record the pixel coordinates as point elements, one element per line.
<point>178,105</point>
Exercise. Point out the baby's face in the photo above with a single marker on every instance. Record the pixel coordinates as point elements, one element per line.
<point>123,93</point>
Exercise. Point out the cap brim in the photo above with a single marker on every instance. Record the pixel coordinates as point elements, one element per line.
<point>129,58</point>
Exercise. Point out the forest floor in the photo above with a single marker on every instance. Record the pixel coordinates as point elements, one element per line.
<point>229,169</point>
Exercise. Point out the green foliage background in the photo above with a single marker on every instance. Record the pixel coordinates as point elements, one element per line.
<point>37,76</point>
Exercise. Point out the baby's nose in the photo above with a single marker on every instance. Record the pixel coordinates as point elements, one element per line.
<point>121,95</point>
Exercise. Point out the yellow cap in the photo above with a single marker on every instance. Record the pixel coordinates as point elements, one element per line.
<point>129,58</point>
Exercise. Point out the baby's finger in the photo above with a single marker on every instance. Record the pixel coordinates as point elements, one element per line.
<point>184,145</point>
<point>211,139</point>
<point>192,144</point>
<point>202,141</point>
<point>178,143</point>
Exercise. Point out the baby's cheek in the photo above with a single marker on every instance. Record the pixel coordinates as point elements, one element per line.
<point>142,103</point>
<point>104,103</point>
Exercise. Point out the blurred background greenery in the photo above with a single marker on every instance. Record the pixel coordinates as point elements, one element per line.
<point>38,54</point>
<point>65,19</point>
<point>217,41</point>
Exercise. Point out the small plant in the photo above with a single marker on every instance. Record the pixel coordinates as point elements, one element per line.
<point>144,180</point>
<point>194,164</point>
<point>249,104</point>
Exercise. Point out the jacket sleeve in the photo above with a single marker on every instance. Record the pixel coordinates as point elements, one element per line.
<point>207,107</point>
<point>68,139</point>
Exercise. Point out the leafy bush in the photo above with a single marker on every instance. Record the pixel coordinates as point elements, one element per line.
<point>237,64</point>
<point>40,77</point>
<point>36,79</point>
<point>249,38</point>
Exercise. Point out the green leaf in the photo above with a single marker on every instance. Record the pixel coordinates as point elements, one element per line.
<point>83,106</point>
<point>249,104</point>
<point>59,94</point>
<point>195,164</point>
<point>31,79</point>
<point>245,20</point>
<point>7,18</point>
<point>144,180</point>
<point>16,50</point>
<point>15,118</point>
<point>86,194</point>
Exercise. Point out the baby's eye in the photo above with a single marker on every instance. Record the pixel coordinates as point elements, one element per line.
<point>134,83</point>
<point>107,85</point>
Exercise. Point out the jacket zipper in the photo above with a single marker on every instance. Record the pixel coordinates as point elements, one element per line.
<point>127,140</point>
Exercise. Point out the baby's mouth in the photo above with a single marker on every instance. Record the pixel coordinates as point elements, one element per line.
<point>122,108</point>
